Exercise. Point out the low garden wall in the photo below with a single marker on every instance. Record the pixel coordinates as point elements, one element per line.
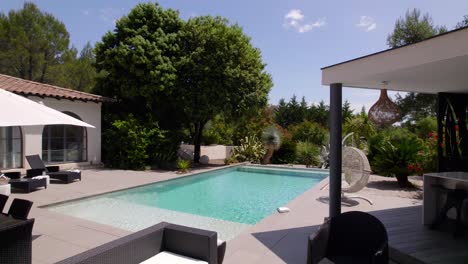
<point>216,153</point>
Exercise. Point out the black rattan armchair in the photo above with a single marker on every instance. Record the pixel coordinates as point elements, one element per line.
<point>16,241</point>
<point>142,245</point>
<point>20,208</point>
<point>352,237</point>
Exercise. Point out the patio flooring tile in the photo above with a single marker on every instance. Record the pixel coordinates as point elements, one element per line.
<point>47,249</point>
<point>279,238</point>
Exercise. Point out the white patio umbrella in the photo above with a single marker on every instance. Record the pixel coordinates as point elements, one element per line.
<point>17,110</point>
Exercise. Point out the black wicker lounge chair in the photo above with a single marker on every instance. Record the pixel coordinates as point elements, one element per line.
<point>352,237</point>
<point>161,238</point>
<point>3,200</point>
<point>26,184</point>
<point>38,166</point>
<point>20,208</point>
<point>15,240</point>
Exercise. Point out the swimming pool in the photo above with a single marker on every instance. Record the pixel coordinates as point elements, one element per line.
<point>226,200</point>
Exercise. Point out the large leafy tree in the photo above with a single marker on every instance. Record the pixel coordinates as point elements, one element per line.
<point>412,28</point>
<point>138,61</point>
<point>219,72</point>
<point>31,42</point>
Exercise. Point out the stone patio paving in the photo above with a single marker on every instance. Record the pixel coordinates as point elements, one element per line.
<point>279,238</point>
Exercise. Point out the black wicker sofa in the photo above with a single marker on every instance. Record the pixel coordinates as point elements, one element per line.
<point>163,237</point>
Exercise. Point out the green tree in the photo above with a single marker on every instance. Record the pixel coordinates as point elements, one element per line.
<point>362,128</point>
<point>309,131</point>
<point>463,23</point>
<point>76,72</point>
<point>413,28</point>
<point>291,113</point>
<point>219,72</point>
<point>136,66</point>
<point>31,42</point>
<point>319,113</point>
<point>137,61</point>
<point>346,112</point>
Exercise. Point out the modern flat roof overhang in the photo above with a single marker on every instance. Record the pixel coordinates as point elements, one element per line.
<point>437,64</point>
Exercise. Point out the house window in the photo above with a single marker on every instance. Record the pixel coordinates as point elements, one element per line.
<point>11,149</point>
<point>64,143</point>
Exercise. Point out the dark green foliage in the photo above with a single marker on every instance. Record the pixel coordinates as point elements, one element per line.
<point>415,106</point>
<point>34,45</point>
<point>219,72</point>
<point>309,132</point>
<point>362,128</point>
<point>319,113</point>
<point>291,113</point>
<point>77,71</point>
<point>307,154</point>
<point>392,150</point>
<point>138,60</point>
<point>286,154</point>
<point>218,131</point>
<point>424,127</point>
<point>413,28</point>
<point>31,41</point>
<point>126,143</point>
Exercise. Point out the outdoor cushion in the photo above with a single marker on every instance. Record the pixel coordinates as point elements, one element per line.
<point>171,258</point>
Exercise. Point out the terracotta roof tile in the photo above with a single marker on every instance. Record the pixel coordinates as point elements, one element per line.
<point>26,87</point>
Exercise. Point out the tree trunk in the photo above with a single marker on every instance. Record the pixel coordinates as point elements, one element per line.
<point>268,155</point>
<point>403,181</point>
<point>197,141</point>
<point>30,69</point>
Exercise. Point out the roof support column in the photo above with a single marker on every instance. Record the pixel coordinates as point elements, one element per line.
<point>335,148</point>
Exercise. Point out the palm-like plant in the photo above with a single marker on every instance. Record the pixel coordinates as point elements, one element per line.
<point>272,141</point>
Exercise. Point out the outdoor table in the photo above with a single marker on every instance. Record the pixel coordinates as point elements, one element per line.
<point>432,201</point>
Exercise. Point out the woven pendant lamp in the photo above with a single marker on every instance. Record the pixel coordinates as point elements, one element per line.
<point>384,111</point>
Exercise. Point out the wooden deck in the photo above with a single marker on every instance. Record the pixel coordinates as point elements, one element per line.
<point>411,242</point>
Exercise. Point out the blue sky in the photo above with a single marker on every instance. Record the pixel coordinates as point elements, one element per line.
<point>296,37</point>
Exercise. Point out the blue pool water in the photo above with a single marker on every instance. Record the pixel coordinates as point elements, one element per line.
<point>239,196</point>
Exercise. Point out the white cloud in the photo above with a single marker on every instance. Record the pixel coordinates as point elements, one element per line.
<point>85,12</point>
<point>295,19</point>
<point>367,23</point>
<point>294,15</point>
<point>111,14</point>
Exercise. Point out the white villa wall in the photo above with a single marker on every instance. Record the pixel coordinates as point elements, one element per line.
<point>214,152</point>
<point>89,112</point>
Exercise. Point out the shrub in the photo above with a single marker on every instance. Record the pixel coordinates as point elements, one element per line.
<point>307,154</point>
<point>424,126</point>
<point>126,143</point>
<point>362,128</point>
<point>183,165</point>
<point>393,151</point>
<point>308,131</point>
<point>427,157</point>
<point>218,131</point>
<point>286,154</point>
<point>250,149</point>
